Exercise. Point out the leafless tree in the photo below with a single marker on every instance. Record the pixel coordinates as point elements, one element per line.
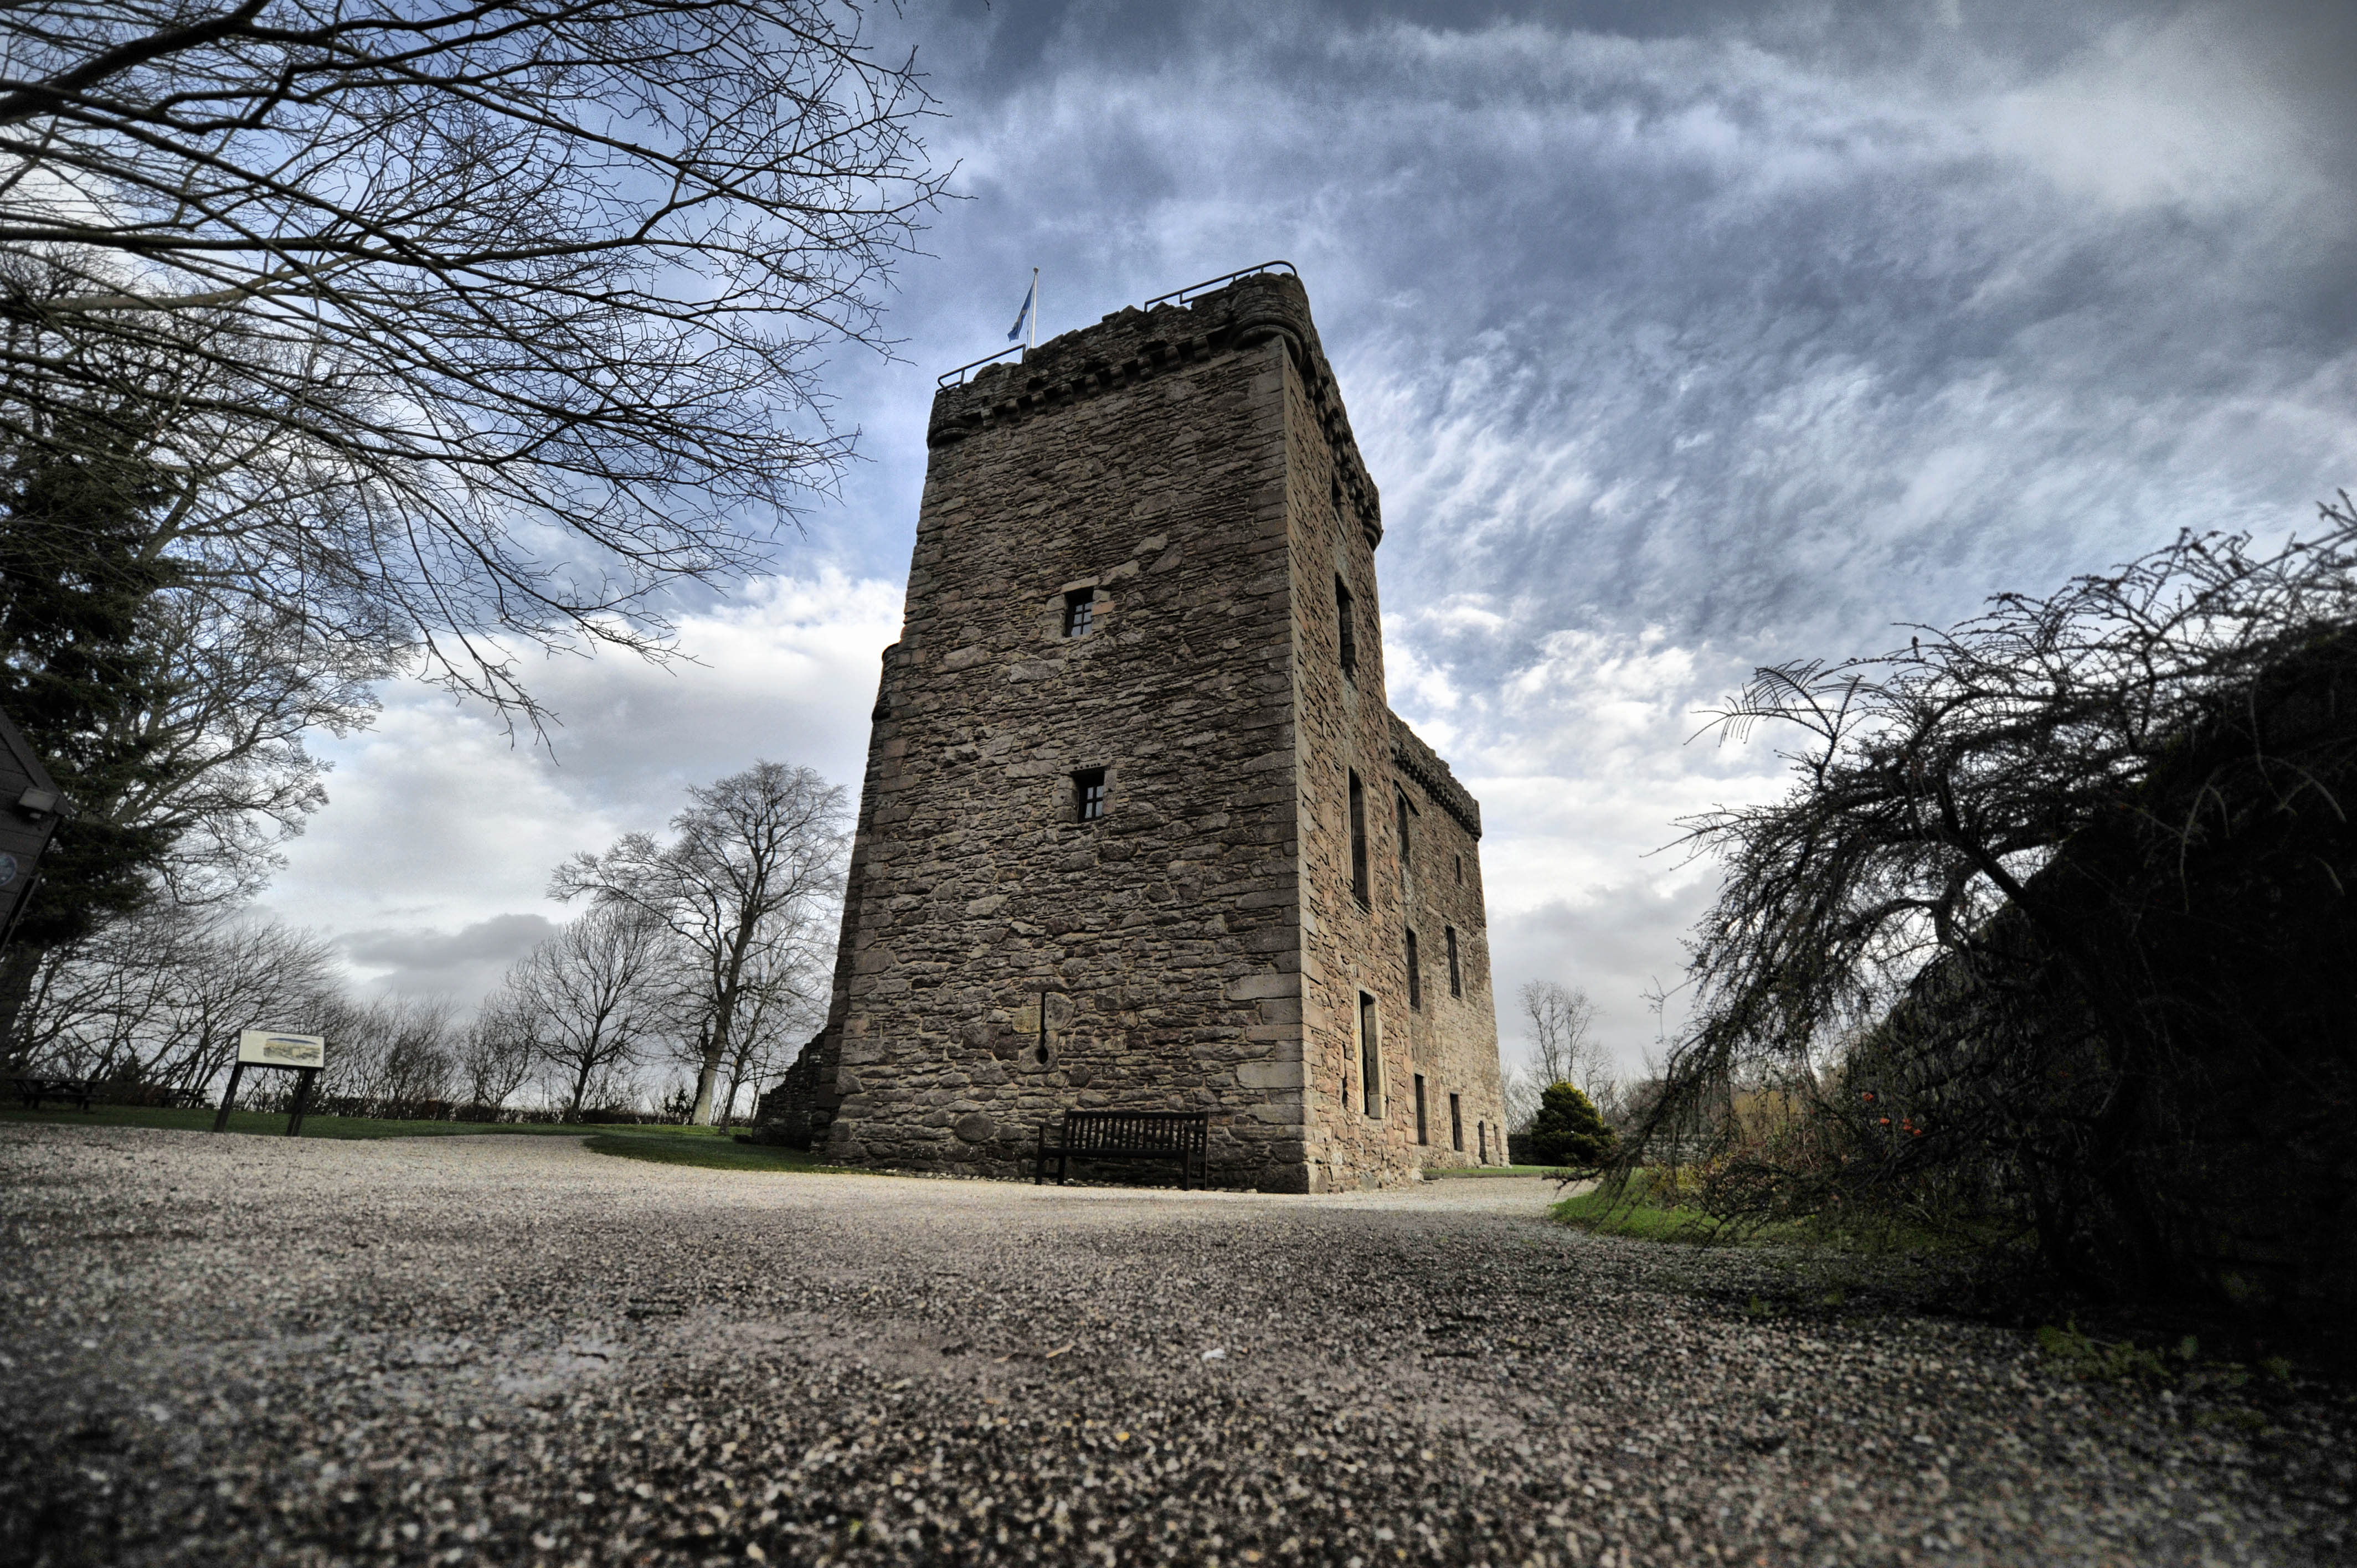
<point>227,780</point>
<point>494,319</point>
<point>231,777</point>
<point>499,1051</point>
<point>158,999</point>
<point>783,1004</point>
<point>2029,906</point>
<point>745,890</point>
<point>595,988</point>
<point>1522,1090</point>
<point>1564,1047</point>
<point>390,1055</point>
<point>191,770</point>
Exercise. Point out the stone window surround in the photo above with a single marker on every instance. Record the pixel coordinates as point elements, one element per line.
<point>1057,612</point>
<point>1077,784</point>
<point>1370,1032</point>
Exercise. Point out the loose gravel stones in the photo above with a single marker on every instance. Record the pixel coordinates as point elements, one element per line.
<point>258,1350</point>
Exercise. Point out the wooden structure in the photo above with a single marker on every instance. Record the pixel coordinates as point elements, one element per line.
<point>1181,1136</point>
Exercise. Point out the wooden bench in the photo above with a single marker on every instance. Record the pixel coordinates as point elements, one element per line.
<point>33,1090</point>
<point>1181,1136</point>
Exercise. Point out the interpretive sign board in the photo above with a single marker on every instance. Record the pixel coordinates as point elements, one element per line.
<point>302,1055</point>
<point>269,1048</point>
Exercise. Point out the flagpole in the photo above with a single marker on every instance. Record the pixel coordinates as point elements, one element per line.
<point>1032,341</point>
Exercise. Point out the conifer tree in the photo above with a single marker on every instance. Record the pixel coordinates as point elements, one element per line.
<point>76,577</point>
<point>1568,1130</point>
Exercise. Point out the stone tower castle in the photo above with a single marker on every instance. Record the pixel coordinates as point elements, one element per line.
<point>1138,830</point>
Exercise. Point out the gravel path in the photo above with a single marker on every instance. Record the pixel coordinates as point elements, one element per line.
<point>247,1349</point>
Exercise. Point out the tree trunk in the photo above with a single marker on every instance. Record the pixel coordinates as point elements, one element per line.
<point>736,1087</point>
<point>707,1076</point>
<point>715,1044</point>
<point>19,965</point>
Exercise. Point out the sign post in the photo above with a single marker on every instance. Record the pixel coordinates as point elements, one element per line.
<point>302,1055</point>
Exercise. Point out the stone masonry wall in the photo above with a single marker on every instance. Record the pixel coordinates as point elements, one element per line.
<point>1453,1034</point>
<point>1351,948</point>
<point>1190,472</point>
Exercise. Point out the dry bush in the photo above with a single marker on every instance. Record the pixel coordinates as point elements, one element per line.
<point>2055,931</point>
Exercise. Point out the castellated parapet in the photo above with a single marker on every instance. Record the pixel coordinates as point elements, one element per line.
<point>1136,707</point>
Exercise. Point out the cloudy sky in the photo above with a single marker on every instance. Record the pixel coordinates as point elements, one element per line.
<point>1680,337</point>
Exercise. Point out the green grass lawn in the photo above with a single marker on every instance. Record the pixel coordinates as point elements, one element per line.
<point>274,1123</point>
<point>1432,1173</point>
<point>1636,1214</point>
<point>713,1153</point>
<point>1641,1213</point>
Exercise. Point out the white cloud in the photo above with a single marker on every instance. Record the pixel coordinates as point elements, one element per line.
<point>2184,110</point>
<point>1675,350</point>
<point>1583,762</point>
<point>438,824</point>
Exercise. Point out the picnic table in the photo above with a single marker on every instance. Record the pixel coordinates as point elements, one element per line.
<point>32,1090</point>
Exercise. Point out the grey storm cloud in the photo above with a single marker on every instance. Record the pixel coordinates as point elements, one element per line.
<point>1755,323</point>
<point>1628,939</point>
<point>1683,338</point>
<point>463,964</point>
<point>1679,337</point>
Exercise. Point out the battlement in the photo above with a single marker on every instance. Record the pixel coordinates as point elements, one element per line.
<point>1134,346</point>
<point>1412,757</point>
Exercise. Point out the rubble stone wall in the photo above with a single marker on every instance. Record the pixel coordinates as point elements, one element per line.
<point>1188,472</point>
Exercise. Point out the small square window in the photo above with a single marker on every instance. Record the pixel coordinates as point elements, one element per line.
<point>1079,611</point>
<point>1089,794</point>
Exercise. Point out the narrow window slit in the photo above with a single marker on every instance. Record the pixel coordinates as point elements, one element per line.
<point>1347,628</point>
<point>1358,842</point>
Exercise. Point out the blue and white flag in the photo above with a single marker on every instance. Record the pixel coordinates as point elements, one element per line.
<point>1023,317</point>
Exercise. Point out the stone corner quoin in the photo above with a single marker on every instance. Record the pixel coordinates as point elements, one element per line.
<point>1132,770</point>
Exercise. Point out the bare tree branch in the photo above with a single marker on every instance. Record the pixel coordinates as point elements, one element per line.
<point>1995,881</point>
<point>526,303</point>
